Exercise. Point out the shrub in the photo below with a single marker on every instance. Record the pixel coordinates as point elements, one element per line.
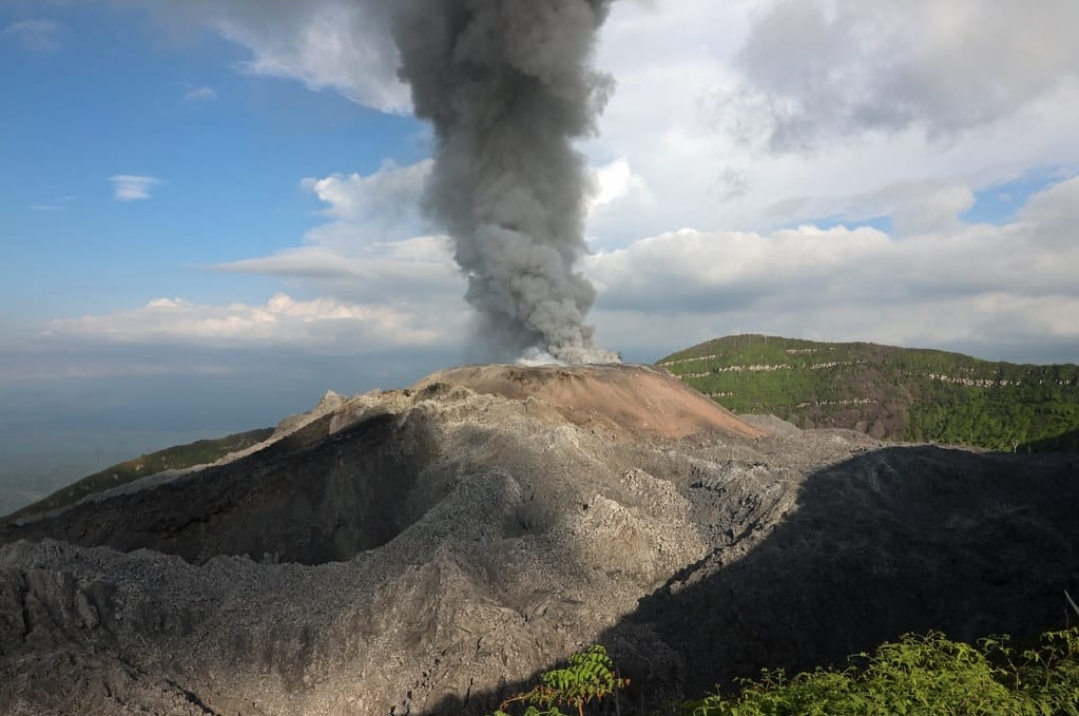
<point>588,677</point>
<point>920,676</point>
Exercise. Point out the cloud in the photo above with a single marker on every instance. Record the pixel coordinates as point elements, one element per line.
<point>690,74</point>
<point>200,94</point>
<point>373,246</point>
<point>914,207</point>
<point>367,211</point>
<point>315,325</point>
<point>911,110</point>
<point>701,272</point>
<point>82,369</point>
<point>371,252</point>
<point>677,115</point>
<point>976,287</point>
<point>423,259</point>
<point>391,194</point>
<point>817,71</point>
<point>345,46</point>
<point>418,272</point>
<point>60,204</point>
<point>617,185</point>
<point>996,291</point>
<point>132,187</point>
<point>35,35</point>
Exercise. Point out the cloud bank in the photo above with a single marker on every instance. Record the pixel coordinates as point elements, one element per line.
<point>817,71</point>
<point>319,324</point>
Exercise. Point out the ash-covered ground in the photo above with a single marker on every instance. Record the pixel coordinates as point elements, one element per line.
<point>427,550</point>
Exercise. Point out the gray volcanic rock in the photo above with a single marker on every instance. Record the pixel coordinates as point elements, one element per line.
<point>427,550</point>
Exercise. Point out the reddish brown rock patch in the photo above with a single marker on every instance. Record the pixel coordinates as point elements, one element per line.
<point>636,398</point>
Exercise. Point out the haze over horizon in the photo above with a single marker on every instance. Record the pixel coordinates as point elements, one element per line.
<point>211,208</point>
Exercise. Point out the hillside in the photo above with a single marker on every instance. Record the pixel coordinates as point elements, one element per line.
<point>890,393</point>
<point>428,551</point>
<point>200,452</point>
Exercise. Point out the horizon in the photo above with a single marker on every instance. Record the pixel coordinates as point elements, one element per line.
<point>51,460</point>
<point>212,210</point>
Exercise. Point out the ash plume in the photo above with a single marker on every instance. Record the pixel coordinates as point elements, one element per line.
<point>508,87</point>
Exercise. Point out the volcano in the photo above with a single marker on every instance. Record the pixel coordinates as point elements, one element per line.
<point>429,550</point>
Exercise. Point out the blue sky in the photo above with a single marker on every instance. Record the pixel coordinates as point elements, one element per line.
<point>103,95</point>
<point>210,207</point>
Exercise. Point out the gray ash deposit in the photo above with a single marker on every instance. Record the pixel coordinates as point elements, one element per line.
<point>425,550</point>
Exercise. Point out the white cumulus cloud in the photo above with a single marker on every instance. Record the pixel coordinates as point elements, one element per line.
<point>132,187</point>
<point>391,194</point>
<point>316,324</point>
<point>994,290</point>
<point>372,246</point>
<point>333,44</point>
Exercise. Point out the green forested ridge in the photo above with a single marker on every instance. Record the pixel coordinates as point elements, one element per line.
<point>891,393</point>
<point>199,452</point>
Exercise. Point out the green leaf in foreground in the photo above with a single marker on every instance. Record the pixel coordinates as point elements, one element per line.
<point>588,678</point>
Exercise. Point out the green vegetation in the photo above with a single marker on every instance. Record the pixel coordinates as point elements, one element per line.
<point>890,393</point>
<point>920,676</point>
<point>200,452</point>
<point>588,678</point>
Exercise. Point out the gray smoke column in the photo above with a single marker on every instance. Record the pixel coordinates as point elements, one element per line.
<point>508,86</point>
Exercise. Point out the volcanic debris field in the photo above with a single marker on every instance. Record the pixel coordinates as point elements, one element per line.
<point>428,551</point>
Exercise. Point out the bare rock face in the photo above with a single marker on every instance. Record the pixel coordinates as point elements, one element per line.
<point>426,551</point>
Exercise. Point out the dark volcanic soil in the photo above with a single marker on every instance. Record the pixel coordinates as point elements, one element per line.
<point>422,551</point>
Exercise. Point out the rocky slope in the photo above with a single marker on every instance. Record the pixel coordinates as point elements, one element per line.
<point>426,550</point>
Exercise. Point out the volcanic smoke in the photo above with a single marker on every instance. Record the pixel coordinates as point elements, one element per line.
<point>508,87</point>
